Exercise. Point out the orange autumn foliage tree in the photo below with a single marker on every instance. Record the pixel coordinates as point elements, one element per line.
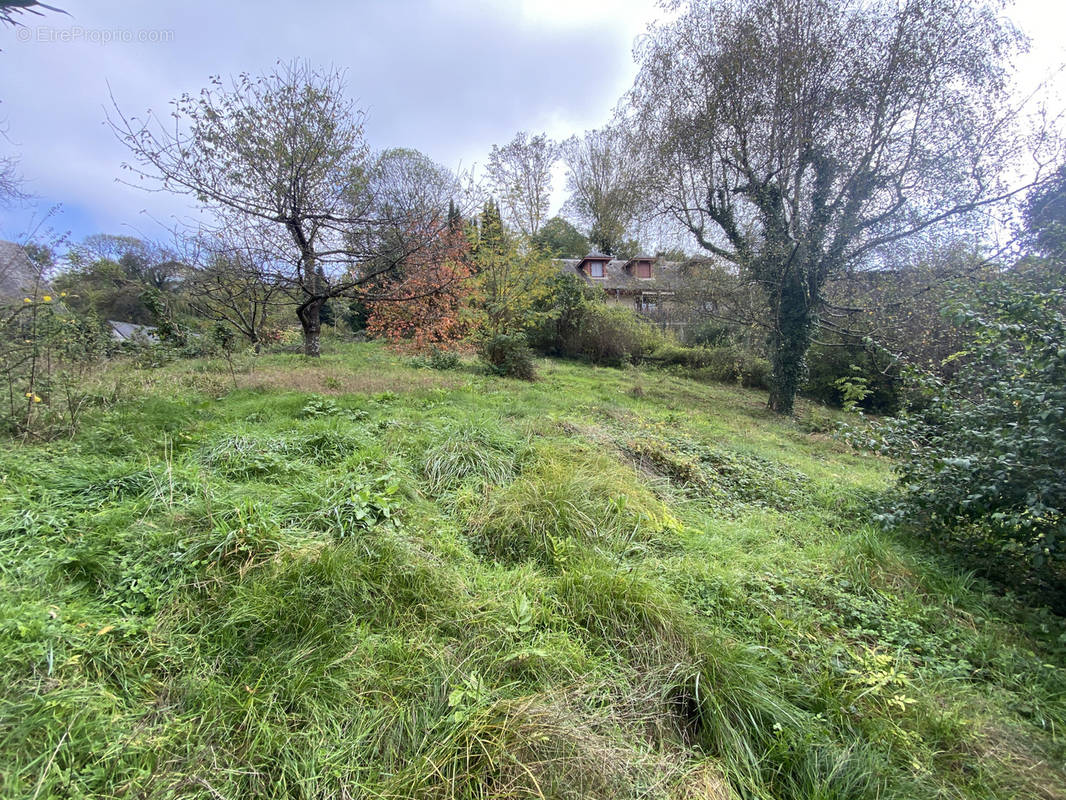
<point>424,305</point>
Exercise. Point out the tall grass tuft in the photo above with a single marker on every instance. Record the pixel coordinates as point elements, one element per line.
<point>567,503</point>
<point>466,451</point>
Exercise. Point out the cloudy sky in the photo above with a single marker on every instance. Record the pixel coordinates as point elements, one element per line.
<point>447,77</point>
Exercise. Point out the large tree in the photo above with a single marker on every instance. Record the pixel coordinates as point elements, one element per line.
<point>796,139</point>
<point>520,175</point>
<point>281,160</point>
<point>606,194</point>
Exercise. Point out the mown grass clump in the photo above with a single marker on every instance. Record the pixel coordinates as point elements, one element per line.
<point>345,582</point>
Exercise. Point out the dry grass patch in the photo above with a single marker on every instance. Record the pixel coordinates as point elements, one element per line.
<point>334,380</point>
<point>542,747</point>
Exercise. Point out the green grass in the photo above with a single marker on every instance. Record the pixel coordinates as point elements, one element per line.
<point>362,578</point>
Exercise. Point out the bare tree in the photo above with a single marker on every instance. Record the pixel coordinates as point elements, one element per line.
<point>796,139</point>
<point>229,285</point>
<point>519,175</point>
<point>604,186</point>
<point>281,159</point>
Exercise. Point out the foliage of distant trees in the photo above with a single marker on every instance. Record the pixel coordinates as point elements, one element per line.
<point>519,175</point>
<point>1045,220</point>
<point>606,193</point>
<point>108,276</point>
<point>558,238</point>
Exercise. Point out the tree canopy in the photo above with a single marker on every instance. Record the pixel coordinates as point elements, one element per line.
<point>604,185</point>
<point>520,176</point>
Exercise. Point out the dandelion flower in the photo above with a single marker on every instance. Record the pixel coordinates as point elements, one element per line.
<point>26,300</point>
<point>48,298</point>
<point>29,394</point>
<point>36,399</point>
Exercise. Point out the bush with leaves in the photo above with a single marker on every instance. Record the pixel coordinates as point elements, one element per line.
<point>613,336</point>
<point>984,462</point>
<point>508,355</point>
<point>730,364</point>
<point>46,356</point>
<point>562,309</point>
<point>837,365</point>
<point>422,303</point>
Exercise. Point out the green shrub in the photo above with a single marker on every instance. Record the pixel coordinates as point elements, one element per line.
<point>710,333</point>
<point>613,336</point>
<point>729,365</point>
<point>833,366</point>
<point>509,355</point>
<point>575,322</point>
<point>671,354</point>
<point>559,314</point>
<point>984,463</point>
<point>443,359</point>
<point>754,372</point>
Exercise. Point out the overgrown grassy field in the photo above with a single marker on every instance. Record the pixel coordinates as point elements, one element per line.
<point>366,578</point>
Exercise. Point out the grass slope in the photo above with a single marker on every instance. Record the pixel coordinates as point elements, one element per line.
<point>365,579</point>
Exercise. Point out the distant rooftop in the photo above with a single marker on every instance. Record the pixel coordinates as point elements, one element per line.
<point>18,275</point>
<point>665,275</point>
<point>132,332</point>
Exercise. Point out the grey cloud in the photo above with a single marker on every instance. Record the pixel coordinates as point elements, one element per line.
<point>447,79</point>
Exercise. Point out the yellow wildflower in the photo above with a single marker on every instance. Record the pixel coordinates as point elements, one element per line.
<point>36,399</point>
<point>48,298</point>
<point>29,394</point>
<point>26,300</point>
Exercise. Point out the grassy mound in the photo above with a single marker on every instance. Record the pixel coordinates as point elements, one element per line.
<point>462,586</point>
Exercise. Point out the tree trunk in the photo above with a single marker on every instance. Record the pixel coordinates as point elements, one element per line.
<point>789,342</point>
<point>310,314</point>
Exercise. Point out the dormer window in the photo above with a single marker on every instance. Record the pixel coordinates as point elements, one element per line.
<point>594,265</point>
<point>639,267</point>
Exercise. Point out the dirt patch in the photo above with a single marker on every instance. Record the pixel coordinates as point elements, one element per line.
<point>332,380</point>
